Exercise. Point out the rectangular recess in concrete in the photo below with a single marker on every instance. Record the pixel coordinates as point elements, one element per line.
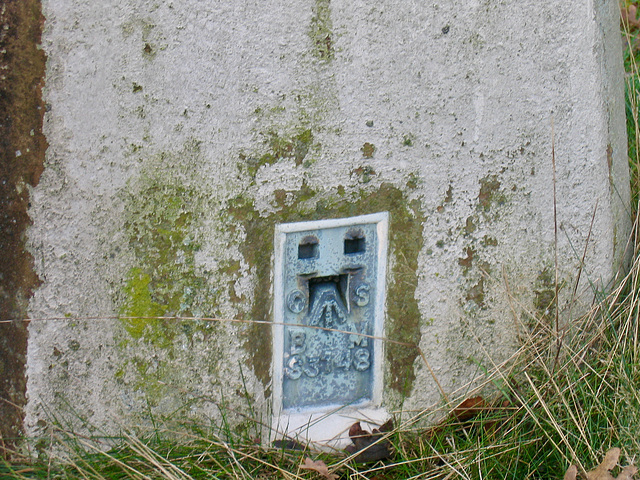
<point>329,287</point>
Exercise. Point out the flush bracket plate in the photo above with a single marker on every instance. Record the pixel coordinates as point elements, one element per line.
<point>329,297</point>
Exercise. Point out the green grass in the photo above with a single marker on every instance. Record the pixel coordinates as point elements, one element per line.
<point>555,406</point>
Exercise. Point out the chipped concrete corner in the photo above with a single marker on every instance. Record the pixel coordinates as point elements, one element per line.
<point>181,134</point>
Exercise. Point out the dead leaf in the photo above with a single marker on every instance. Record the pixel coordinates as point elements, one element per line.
<point>356,431</point>
<point>370,446</point>
<point>629,17</point>
<point>610,459</point>
<point>320,467</point>
<point>288,444</point>
<point>572,473</point>
<point>603,471</point>
<point>627,472</point>
<point>466,411</point>
<point>469,409</point>
<point>386,426</point>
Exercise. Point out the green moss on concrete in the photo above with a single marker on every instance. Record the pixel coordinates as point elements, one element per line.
<point>320,30</point>
<point>163,208</point>
<point>368,149</point>
<point>475,270</point>
<point>476,293</point>
<point>413,181</point>
<point>470,225</point>
<point>490,193</point>
<point>449,195</point>
<point>407,140</point>
<point>163,282</point>
<point>545,295</point>
<point>139,304</point>
<point>466,262</point>
<point>363,173</point>
<point>278,148</point>
<point>147,33</point>
<point>302,143</point>
<point>148,51</point>
<point>403,316</point>
<point>488,241</point>
<point>257,252</point>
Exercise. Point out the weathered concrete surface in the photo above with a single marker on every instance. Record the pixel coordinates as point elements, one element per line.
<point>22,148</point>
<point>181,132</point>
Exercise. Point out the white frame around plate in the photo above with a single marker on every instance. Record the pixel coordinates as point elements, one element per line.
<point>327,426</point>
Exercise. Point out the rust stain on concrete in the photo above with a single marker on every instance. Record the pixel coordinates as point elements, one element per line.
<point>22,149</point>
